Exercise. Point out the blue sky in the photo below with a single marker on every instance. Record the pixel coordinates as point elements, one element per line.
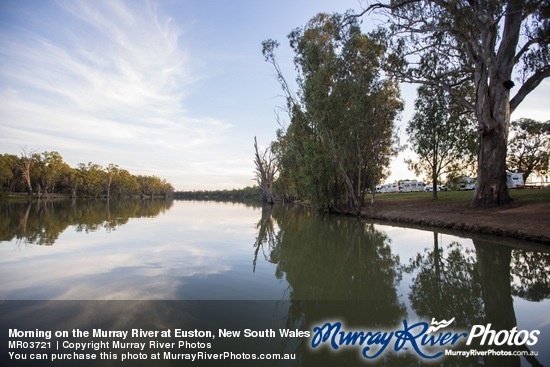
<point>173,88</point>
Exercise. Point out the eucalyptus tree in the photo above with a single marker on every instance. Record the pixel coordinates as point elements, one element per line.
<point>441,134</point>
<point>153,186</point>
<point>8,166</point>
<point>126,184</point>
<point>529,147</point>
<point>111,172</point>
<point>343,110</point>
<point>51,166</point>
<point>73,179</point>
<point>266,170</point>
<point>47,173</point>
<point>494,44</point>
<point>92,175</point>
<point>25,165</point>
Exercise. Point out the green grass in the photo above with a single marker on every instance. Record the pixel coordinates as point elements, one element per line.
<point>531,196</point>
<point>442,195</point>
<point>521,196</point>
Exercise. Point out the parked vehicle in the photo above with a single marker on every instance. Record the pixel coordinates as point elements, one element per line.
<point>411,186</point>
<point>514,179</point>
<point>467,183</point>
<point>386,188</point>
<point>439,188</point>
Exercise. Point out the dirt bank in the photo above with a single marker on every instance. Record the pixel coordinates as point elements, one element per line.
<point>529,221</point>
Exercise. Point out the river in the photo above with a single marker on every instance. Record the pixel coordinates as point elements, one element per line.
<point>302,267</point>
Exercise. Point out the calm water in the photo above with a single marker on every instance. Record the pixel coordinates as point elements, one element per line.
<point>184,250</point>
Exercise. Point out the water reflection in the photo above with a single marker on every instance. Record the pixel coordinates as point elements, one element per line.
<point>496,264</point>
<point>446,284</point>
<point>328,258</point>
<point>41,222</point>
<point>531,274</point>
<point>337,269</point>
<point>474,287</point>
<point>313,268</point>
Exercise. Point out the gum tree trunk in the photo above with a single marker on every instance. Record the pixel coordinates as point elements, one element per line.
<point>493,74</point>
<point>493,116</point>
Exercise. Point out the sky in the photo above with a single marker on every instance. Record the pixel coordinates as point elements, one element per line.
<point>172,88</point>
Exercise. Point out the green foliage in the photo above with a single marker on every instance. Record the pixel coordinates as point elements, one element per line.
<point>46,174</point>
<point>50,165</point>
<point>340,135</point>
<point>247,193</point>
<point>529,147</point>
<point>8,171</point>
<point>442,135</point>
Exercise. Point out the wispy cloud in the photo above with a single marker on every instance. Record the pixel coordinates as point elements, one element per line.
<point>106,76</point>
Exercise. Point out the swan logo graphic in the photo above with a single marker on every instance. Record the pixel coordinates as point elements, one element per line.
<point>439,325</point>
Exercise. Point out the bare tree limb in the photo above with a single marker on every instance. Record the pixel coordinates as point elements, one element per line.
<point>266,170</point>
<point>529,86</point>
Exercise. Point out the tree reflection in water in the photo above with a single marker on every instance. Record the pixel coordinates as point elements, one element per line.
<point>531,274</point>
<point>474,287</point>
<point>343,269</point>
<point>41,222</point>
<point>337,268</point>
<point>497,265</point>
<point>446,284</point>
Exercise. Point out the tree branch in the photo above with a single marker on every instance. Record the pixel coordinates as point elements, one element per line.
<point>524,49</point>
<point>529,86</point>
<point>376,6</point>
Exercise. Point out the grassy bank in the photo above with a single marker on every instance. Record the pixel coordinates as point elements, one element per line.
<point>519,196</point>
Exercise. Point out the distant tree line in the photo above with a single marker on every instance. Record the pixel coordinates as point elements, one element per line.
<point>247,193</point>
<point>45,174</point>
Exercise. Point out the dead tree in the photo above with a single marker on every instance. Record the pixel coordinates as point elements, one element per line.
<point>25,165</point>
<point>266,170</point>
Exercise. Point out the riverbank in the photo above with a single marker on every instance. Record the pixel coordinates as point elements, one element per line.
<point>527,218</point>
<point>23,196</point>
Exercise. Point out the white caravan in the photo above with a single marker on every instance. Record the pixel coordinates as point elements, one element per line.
<point>439,188</point>
<point>514,179</point>
<point>467,183</point>
<point>411,186</point>
<point>386,188</point>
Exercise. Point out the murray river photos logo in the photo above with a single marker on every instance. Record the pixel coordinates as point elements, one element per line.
<point>428,341</point>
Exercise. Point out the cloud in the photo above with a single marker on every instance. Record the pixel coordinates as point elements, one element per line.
<point>111,59</point>
<point>102,81</point>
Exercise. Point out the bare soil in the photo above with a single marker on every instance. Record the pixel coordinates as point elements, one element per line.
<point>527,221</point>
